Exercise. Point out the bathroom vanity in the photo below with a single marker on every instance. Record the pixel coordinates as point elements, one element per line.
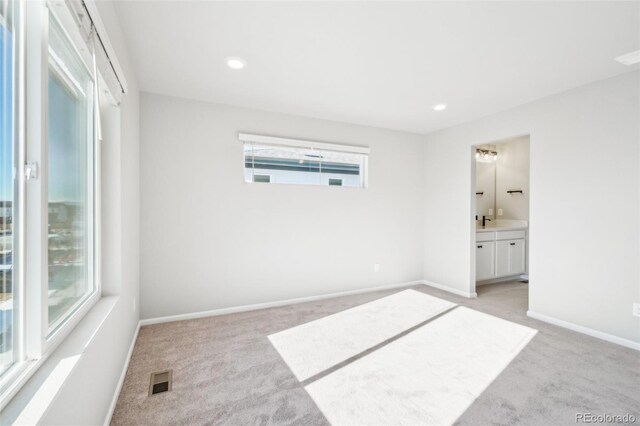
<point>501,251</point>
<point>502,210</point>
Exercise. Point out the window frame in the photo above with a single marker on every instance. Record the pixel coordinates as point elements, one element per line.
<point>53,334</point>
<point>364,151</point>
<point>33,343</point>
<point>12,374</point>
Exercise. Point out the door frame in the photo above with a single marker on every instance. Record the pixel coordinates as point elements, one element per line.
<point>473,205</point>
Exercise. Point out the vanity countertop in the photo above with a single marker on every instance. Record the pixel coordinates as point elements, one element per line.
<point>490,228</point>
<point>503,225</point>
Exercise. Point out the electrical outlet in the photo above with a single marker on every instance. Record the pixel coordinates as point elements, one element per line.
<point>499,212</point>
<point>490,212</point>
<point>636,309</point>
<point>376,267</point>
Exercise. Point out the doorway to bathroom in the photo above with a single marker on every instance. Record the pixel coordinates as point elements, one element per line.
<point>500,207</point>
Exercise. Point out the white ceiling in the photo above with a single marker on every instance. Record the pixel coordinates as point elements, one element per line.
<point>381,64</point>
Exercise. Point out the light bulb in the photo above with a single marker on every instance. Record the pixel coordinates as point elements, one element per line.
<point>236,63</point>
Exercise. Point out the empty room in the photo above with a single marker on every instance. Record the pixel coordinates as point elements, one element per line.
<point>319,212</point>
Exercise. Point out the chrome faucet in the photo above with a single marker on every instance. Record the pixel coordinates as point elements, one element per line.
<point>484,221</point>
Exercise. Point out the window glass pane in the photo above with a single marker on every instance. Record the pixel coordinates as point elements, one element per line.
<point>70,171</point>
<point>303,166</point>
<point>262,178</point>
<point>7,193</point>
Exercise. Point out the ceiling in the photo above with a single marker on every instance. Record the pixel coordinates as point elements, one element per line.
<point>382,64</point>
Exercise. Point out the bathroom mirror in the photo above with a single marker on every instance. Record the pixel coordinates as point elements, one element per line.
<point>485,183</point>
<point>502,180</point>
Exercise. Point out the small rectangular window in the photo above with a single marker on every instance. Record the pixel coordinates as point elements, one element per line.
<point>292,161</point>
<point>262,178</point>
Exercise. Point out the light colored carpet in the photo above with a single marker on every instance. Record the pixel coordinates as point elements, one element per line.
<point>316,346</point>
<point>427,377</point>
<point>226,372</point>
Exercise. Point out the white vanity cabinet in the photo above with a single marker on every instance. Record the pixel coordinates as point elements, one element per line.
<point>500,254</point>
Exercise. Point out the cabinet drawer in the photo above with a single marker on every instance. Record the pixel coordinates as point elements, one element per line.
<point>485,236</point>
<point>510,235</point>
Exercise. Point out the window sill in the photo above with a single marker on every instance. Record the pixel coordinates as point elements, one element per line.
<point>37,382</point>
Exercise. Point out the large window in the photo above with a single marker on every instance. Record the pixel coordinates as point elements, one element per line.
<point>54,73</point>
<point>299,162</point>
<point>7,191</point>
<point>70,177</point>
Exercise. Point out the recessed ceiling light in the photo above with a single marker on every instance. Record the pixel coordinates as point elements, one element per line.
<point>439,107</point>
<point>631,58</point>
<point>236,63</point>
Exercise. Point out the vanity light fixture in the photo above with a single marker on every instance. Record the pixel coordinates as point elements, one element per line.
<point>486,156</point>
<point>236,63</point>
<point>439,107</point>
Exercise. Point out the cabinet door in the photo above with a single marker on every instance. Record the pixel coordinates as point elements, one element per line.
<point>510,257</point>
<point>516,257</point>
<point>485,260</point>
<point>502,258</point>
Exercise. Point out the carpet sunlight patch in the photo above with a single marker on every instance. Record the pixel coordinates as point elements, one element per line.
<point>430,376</point>
<point>316,346</point>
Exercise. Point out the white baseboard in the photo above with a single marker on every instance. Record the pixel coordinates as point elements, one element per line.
<point>585,330</point>
<point>503,279</point>
<point>116,394</point>
<point>254,307</point>
<point>450,289</point>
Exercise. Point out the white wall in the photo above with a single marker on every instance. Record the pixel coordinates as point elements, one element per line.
<point>210,240</point>
<point>584,205</point>
<point>512,173</point>
<point>77,382</point>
